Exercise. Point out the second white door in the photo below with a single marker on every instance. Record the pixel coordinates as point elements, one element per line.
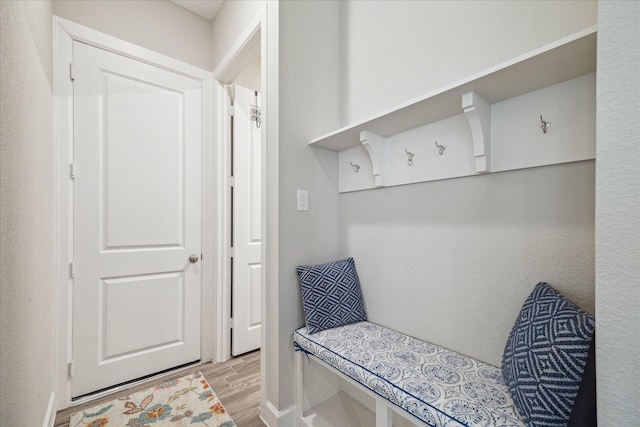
<point>247,233</point>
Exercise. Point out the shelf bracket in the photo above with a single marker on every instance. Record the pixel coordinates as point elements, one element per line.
<point>375,145</point>
<point>477,110</point>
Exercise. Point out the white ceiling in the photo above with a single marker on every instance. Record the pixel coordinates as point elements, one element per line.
<point>205,8</point>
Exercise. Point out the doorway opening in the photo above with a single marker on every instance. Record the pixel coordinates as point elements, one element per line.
<point>240,132</point>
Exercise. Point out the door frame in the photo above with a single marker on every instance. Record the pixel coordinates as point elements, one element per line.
<point>248,47</point>
<point>262,31</point>
<point>65,33</point>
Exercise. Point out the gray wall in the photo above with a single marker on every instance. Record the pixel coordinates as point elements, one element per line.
<point>618,214</point>
<point>157,25</point>
<point>395,51</point>
<point>309,106</point>
<point>26,213</point>
<point>452,261</point>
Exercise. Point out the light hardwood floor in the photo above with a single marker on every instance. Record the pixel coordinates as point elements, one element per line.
<point>236,382</point>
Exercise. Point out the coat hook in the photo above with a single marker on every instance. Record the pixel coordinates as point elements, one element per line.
<point>441,148</point>
<point>544,125</point>
<point>256,113</point>
<point>409,157</point>
<point>356,168</point>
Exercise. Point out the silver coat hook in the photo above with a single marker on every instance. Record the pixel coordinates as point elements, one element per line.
<point>544,125</point>
<point>356,168</point>
<point>441,148</point>
<point>409,157</point>
<point>256,113</point>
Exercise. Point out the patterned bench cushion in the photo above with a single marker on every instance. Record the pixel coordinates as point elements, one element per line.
<point>436,385</point>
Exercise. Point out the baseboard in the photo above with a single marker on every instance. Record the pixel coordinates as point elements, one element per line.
<point>50,415</point>
<point>274,418</point>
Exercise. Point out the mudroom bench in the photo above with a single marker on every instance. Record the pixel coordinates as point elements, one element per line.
<point>424,383</point>
<point>386,378</point>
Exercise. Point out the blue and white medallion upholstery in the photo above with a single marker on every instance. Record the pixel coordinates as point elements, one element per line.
<point>436,385</point>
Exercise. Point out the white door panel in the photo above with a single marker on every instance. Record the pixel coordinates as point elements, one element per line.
<point>247,233</point>
<point>143,330</point>
<point>255,280</point>
<point>137,140</point>
<point>136,157</point>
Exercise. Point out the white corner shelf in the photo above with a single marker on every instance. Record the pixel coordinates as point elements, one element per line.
<point>478,142</point>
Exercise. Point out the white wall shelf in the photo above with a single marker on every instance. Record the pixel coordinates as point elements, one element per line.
<point>482,140</point>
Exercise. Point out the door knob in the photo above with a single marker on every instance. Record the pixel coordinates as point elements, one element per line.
<point>193,258</point>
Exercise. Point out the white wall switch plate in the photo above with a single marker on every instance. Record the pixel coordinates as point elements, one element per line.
<point>303,200</point>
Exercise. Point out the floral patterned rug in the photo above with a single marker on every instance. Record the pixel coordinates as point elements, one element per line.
<point>185,401</point>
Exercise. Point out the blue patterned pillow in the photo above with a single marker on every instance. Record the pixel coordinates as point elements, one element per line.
<point>331,295</point>
<point>545,356</point>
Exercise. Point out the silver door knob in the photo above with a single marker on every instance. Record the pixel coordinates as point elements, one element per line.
<point>194,258</point>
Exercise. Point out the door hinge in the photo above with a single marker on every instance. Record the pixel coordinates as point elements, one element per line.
<point>72,171</point>
<point>231,252</point>
<point>71,371</point>
<point>230,323</point>
<point>72,72</point>
<point>232,110</point>
<point>72,270</point>
<point>231,181</point>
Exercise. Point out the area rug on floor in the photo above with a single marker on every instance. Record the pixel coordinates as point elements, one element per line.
<point>186,401</point>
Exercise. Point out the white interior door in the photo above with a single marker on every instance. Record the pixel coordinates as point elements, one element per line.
<point>137,142</point>
<point>247,233</point>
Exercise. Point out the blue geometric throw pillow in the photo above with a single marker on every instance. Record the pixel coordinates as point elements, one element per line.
<point>545,356</point>
<point>331,295</point>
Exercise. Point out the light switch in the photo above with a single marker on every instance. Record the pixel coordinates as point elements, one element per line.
<point>303,200</point>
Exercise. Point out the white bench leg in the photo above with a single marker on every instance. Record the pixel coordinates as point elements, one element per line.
<point>298,375</point>
<point>383,413</point>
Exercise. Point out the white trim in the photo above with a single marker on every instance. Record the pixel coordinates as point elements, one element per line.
<point>208,220</point>
<point>270,354</point>
<point>95,38</point>
<point>223,263</point>
<point>50,415</point>
<point>246,48</point>
<point>62,121</point>
<point>64,34</point>
<point>270,415</point>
